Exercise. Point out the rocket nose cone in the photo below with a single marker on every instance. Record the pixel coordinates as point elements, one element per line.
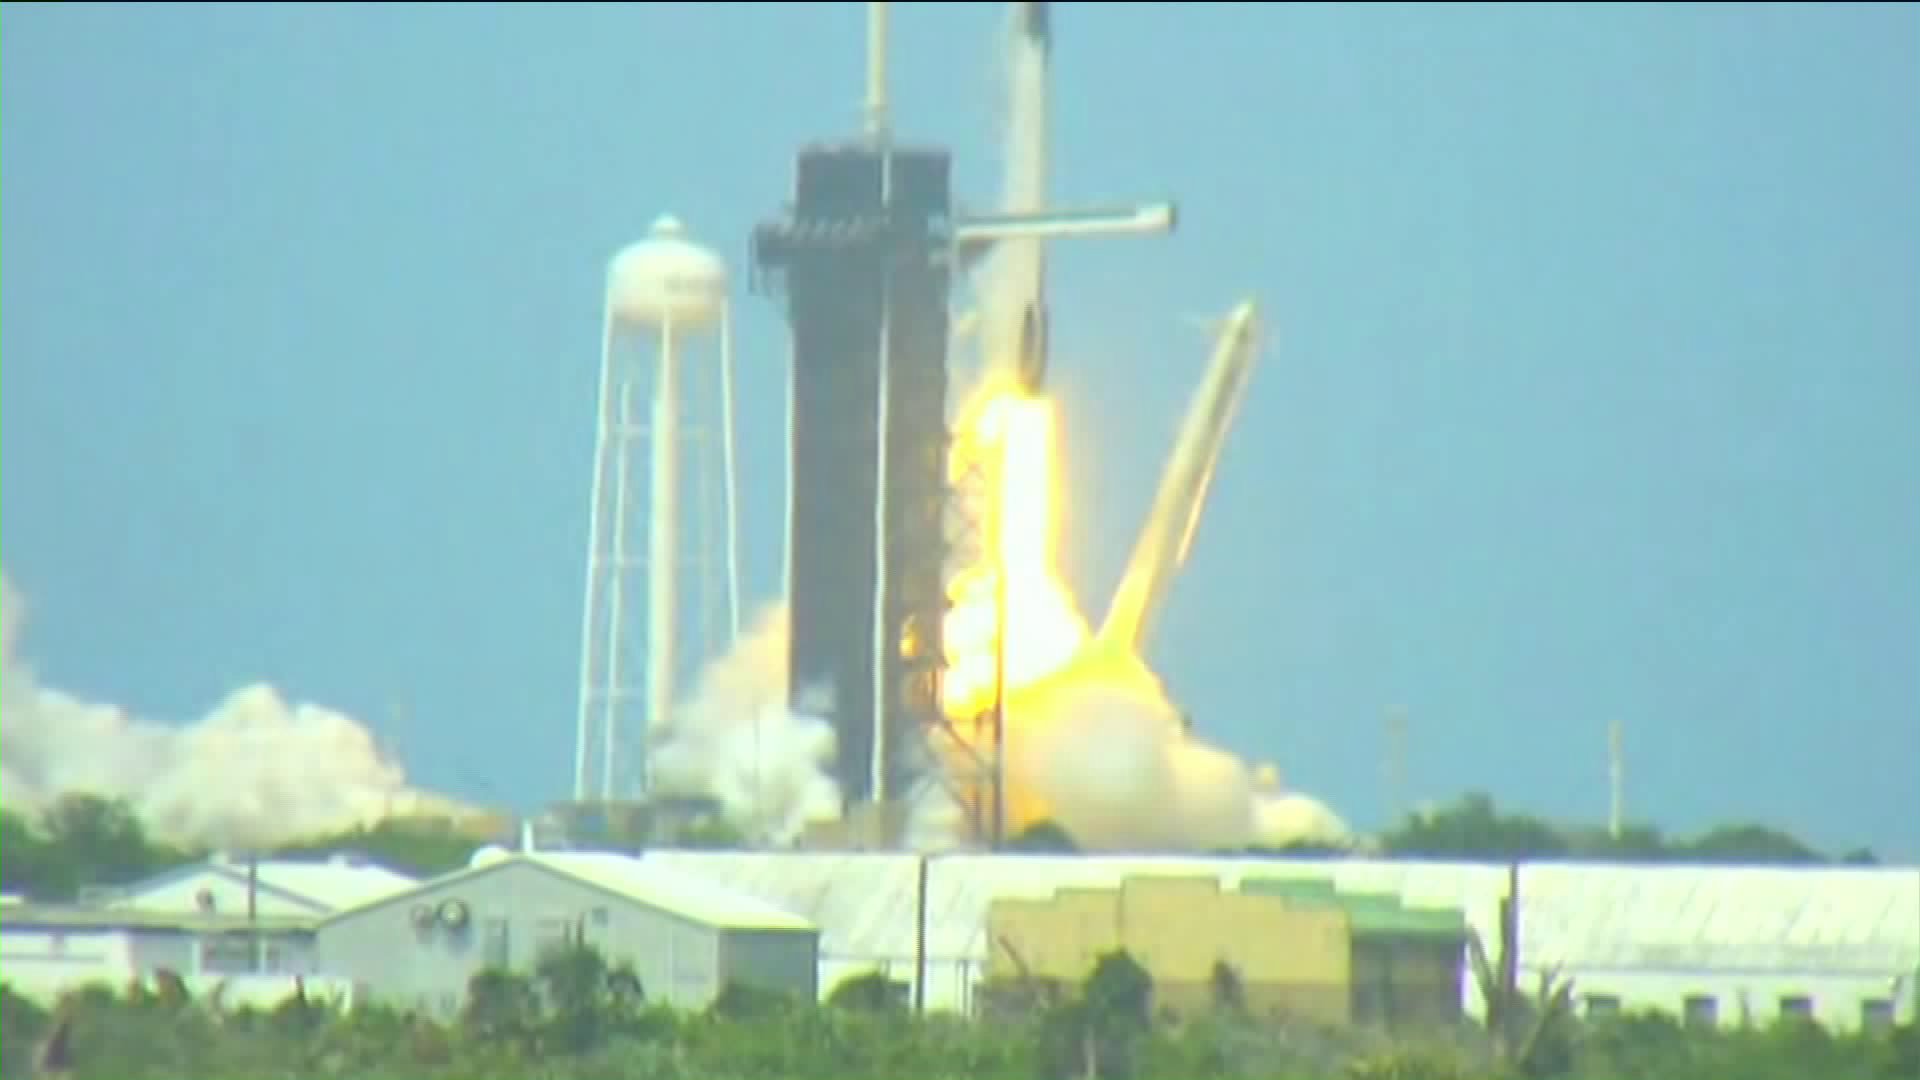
<point>1036,22</point>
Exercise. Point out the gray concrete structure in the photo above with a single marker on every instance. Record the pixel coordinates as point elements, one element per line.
<point>684,937</point>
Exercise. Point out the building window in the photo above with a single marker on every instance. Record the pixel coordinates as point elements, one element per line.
<point>1701,1010</point>
<point>1876,1014</point>
<point>553,932</point>
<point>227,955</point>
<point>599,916</point>
<point>496,953</point>
<point>1797,1007</point>
<point>1601,1006</point>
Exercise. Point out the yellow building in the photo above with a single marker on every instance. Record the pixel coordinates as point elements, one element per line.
<point>1293,949</point>
<point>1407,964</point>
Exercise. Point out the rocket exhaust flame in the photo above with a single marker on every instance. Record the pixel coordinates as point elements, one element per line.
<point>1092,740</point>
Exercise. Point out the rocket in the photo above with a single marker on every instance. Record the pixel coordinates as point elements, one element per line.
<point>1020,334</point>
<point>1035,22</point>
<point>1167,537</point>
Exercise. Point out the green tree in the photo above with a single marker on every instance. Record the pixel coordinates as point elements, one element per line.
<point>587,999</point>
<point>79,841</point>
<point>503,1008</point>
<point>1229,992</point>
<point>1043,838</point>
<point>1757,844</point>
<point>1635,843</point>
<point>424,847</point>
<point>1101,1033</point>
<point>1472,828</point>
<point>872,992</point>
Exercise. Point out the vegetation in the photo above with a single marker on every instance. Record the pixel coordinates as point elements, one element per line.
<point>577,1018</point>
<point>1473,828</point>
<point>86,840</point>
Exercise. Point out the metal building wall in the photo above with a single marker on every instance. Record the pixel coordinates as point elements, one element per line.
<point>783,960</point>
<point>517,908</point>
<point>1843,938</point>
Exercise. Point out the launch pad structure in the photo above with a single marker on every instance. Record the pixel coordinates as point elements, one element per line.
<point>860,263</point>
<point>864,263</point>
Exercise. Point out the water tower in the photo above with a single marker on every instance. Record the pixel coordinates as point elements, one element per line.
<point>665,423</point>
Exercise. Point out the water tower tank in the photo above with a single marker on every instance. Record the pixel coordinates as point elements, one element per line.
<point>488,855</point>
<point>667,278</point>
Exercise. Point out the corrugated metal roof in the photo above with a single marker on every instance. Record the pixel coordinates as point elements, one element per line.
<point>862,904</point>
<point>336,884</point>
<point>79,917</point>
<point>1579,915</point>
<point>1369,913</point>
<point>333,883</point>
<point>865,904</point>
<point>688,895</point>
<point>1755,918</point>
<point>702,898</point>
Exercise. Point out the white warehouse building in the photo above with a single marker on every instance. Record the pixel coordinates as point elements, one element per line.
<point>1714,943</point>
<point>220,921</point>
<point>685,937</point>
<point>47,950</point>
<point>224,885</point>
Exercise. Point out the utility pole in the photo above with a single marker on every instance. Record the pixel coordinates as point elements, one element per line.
<point>1616,781</point>
<point>999,834</point>
<point>1394,768</point>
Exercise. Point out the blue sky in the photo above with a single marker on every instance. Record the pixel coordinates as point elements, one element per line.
<point>1590,396</point>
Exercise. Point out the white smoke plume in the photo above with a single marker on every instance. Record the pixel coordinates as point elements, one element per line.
<point>1110,760</point>
<point>256,771</point>
<point>1108,757</point>
<point>735,739</point>
<point>1147,787</point>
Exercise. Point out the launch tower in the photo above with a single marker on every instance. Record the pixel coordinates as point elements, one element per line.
<point>866,297</point>
<point>864,261</point>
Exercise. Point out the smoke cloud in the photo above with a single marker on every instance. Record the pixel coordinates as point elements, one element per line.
<point>735,739</point>
<point>256,771</point>
<point>1146,787</point>
<point>1105,754</point>
<point>1096,745</point>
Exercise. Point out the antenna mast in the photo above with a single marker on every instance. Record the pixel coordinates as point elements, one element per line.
<point>1395,766</point>
<point>1615,780</point>
<point>877,70</point>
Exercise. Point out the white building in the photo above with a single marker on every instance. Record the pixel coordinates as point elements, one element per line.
<point>685,937</point>
<point>222,885</point>
<point>1729,944</point>
<point>47,950</point>
<point>1712,943</point>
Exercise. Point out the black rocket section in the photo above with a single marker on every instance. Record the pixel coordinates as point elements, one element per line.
<point>1033,345</point>
<point>1036,22</point>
